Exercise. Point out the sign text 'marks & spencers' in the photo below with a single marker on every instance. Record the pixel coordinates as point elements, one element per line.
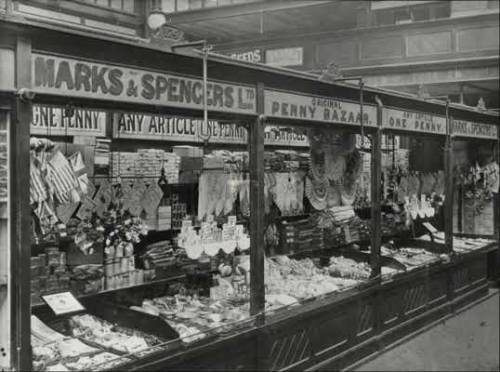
<point>94,80</point>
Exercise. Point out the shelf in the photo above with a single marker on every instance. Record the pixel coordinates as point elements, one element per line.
<point>107,291</point>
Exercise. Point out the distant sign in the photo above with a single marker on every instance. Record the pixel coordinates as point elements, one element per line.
<point>80,78</point>
<point>316,108</point>
<point>413,121</point>
<point>476,130</point>
<point>285,56</point>
<point>182,129</point>
<point>48,120</point>
<point>253,55</point>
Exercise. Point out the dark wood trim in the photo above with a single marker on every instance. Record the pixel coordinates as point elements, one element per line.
<point>20,211</point>
<point>256,156</point>
<point>448,185</point>
<point>376,189</point>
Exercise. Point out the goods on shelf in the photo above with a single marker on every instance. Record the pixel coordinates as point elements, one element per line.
<point>299,235</point>
<point>348,268</point>
<point>300,279</point>
<point>53,351</point>
<point>211,239</point>
<point>178,211</point>
<point>193,316</point>
<point>411,257</point>
<point>464,245</point>
<point>3,165</point>
<point>48,273</point>
<point>109,336</point>
<point>145,163</point>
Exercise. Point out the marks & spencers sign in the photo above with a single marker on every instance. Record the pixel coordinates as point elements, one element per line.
<point>314,108</point>
<point>77,78</point>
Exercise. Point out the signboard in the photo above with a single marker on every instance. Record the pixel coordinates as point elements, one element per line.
<point>475,130</point>
<point>78,78</point>
<point>314,108</point>
<point>285,56</point>
<point>413,121</point>
<point>63,303</point>
<point>181,129</point>
<point>254,55</point>
<point>49,120</point>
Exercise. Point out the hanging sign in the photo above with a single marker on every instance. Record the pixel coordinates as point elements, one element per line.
<point>314,108</point>
<point>182,129</point>
<point>413,121</point>
<point>475,130</point>
<point>79,78</point>
<point>48,120</point>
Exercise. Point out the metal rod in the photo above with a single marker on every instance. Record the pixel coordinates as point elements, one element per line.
<point>448,197</point>
<point>205,105</point>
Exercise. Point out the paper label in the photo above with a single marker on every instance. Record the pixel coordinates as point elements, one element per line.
<point>63,303</point>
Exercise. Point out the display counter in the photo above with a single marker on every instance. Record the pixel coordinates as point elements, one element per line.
<point>299,228</point>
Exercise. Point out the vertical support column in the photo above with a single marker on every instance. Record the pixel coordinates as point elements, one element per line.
<point>256,139</point>
<point>376,176</point>
<point>20,212</point>
<point>448,183</point>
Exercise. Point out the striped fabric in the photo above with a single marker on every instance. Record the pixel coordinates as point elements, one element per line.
<point>61,177</point>
<point>37,188</point>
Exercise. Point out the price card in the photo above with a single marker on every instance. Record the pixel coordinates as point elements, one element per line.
<point>63,303</point>
<point>231,220</point>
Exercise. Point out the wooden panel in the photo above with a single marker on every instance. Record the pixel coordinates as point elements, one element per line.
<point>414,298</point>
<point>390,307</point>
<point>438,287</point>
<point>391,46</point>
<point>365,320</point>
<point>432,43</point>
<point>478,270</point>
<point>339,52</point>
<point>460,279</point>
<point>333,333</point>
<point>289,349</point>
<point>478,39</point>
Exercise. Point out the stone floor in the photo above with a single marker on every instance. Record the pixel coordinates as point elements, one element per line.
<point>468,341</point>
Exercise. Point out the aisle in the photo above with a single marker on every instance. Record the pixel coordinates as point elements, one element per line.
<point>468,341</point>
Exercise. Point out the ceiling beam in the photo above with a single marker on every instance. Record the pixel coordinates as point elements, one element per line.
<point>228,11</point>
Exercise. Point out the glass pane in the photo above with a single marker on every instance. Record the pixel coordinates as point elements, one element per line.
<point>168,6</point>
<point>166,224</point>
<point>128,6</point>
<point>195,4</point>
<point>4,242</point>
<point>476,175</point>
<point>116,4</point>
<point>182,5</point>
<point>317,202</point>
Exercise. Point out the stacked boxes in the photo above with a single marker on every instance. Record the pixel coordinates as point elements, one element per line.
<point>179,211</point>
<point>48,273</point>
<point>145,163</point>
<point>120,271</point>
<point>164,217</point>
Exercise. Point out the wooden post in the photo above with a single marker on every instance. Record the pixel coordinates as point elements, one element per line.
<point>448,183</point>
<point>20,212</point>
<point>256,140</point>
<point>376,176</point>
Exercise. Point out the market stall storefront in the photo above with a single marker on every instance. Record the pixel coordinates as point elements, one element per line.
<point>296,227</point>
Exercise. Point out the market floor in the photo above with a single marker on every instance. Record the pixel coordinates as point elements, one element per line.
<point>468,341</point>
